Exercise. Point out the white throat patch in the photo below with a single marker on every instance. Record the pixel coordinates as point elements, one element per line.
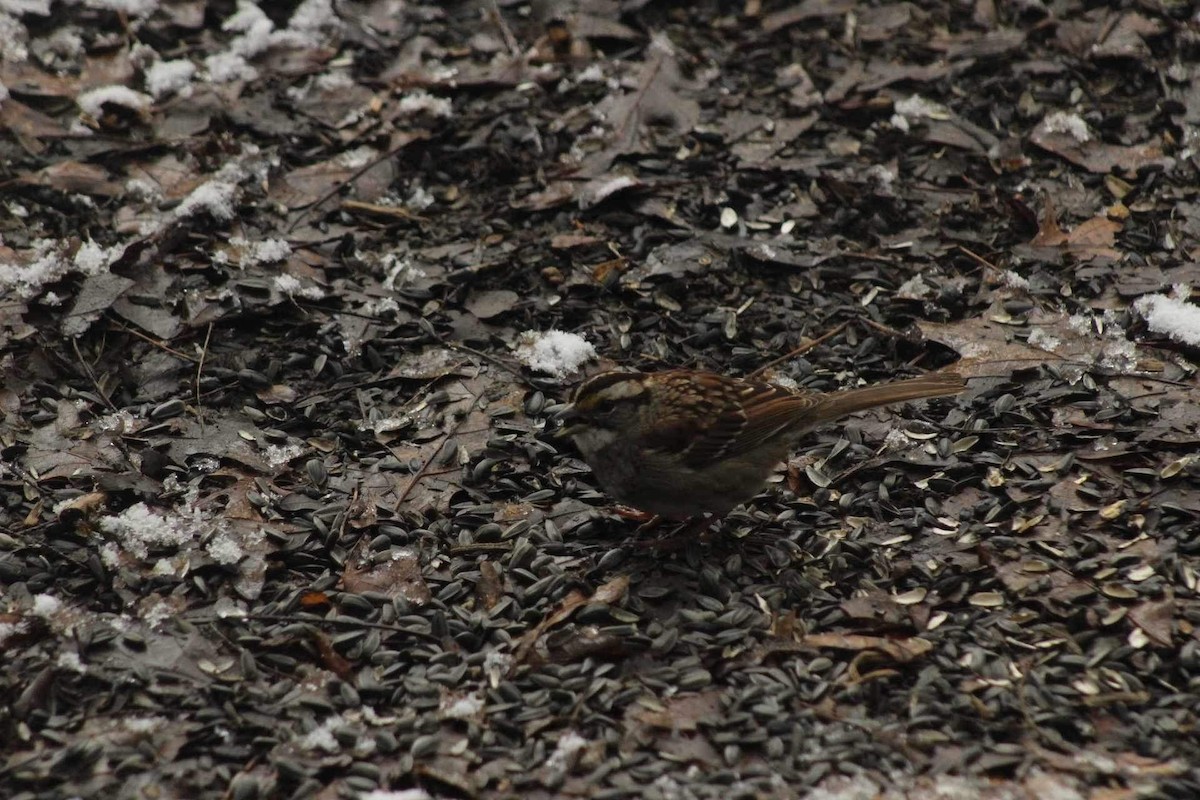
<point>593,440</point>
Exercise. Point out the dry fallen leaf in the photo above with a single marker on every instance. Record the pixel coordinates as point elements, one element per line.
<point>1097,156</point>
<point>397,575</point>
<point>608,593</point>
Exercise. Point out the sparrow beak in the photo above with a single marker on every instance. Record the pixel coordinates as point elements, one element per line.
<point>570,423</point>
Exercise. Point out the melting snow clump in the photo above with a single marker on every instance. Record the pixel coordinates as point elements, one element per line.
<point>554,352</point>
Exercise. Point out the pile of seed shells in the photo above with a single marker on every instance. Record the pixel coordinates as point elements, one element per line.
<point>520,640</point>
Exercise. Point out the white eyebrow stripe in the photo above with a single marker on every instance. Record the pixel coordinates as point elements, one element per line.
<point>621,391</point>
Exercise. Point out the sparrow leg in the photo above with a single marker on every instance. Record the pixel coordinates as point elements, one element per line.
<point>645,518</point>
<point>695,528</point>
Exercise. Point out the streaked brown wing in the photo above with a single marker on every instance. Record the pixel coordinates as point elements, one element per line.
<point>722,417</point>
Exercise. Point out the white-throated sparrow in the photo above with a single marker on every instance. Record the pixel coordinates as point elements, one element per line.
<point>682,443</point>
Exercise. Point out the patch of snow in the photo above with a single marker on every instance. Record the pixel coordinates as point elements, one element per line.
<point>420,198</point>
<point>330,81</point>
<point>279,454</point>
<point>1119,355</point>
<point>496,663</point>
<point>908,110</point>
<point>46,605</point>
<point>261,252</point>
<point>92,101</point>
<point>17,8</point>
<point>121,421</point>
<point>1081,323</point>
<point>593,73</point>
<point>381,307</point>
<point>314,17</point>
<point>165,77</point>
<point>225,549</point>
<point>897,440</point>
<point>398,794</point>
<point>228,67</point>
<point>321,737</point>
<point>358,157</point>
<point>292,287</point>
<point>64,42</point>
<point>216,197</point>
<point>47,265</point>
<point>69,660</point>
<point>1176,318</point>
<point>132,8</point>
<point>139,189</point>
<point>144,724</point>
<point>154,613</point>
<point>13,35</point>
<point>917,106</point>
<point>914,288</point>
<point>1039,338</point>
<point>254,25</point>
<point>1073,124</point>
<point>137,528</point>
<point>464,707</point>
<point>420,100</point>
<point>554,352</point>
<point>94,259</point>
<point>565,751</point>
<point>1013,280</point>
<point>398,270</point>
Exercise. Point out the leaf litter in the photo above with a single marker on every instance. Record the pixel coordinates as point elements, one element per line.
<point>274,463</point>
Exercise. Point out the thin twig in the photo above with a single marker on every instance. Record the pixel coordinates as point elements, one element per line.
<point>381,210</point>
<point>370,165</point>
<point>619,133</point>
<point>510,41</point>
<point>200,363</point>
<point>978,258</point>
<point>92,376</point>
<point>156,342</point>
<point>480,547</point>
<point>879,326</point>
<point>352,623</point>
<point>801,350</point>
<point>434,452</point>
<point>493,360</point>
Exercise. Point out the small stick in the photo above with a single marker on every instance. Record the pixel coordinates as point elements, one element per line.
<point>978,258</point>
<point>156,342</point>
<point>200,364</point>
<point>801,350</point>
<point>92,376</point>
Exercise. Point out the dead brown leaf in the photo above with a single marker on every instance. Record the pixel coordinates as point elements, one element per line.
<point>990,346</point>
<point>607,593</point>
<point>1155,618</point>
<point>73,176</point>
<point>304,186</point>
<point>397,575</point>
<point>674,725</point>
<point>568,241</point>
<point>331,659</point>
<point>1095,155</point>
<point>490,586</point>
<point>29,126</point>
<point>804,11</point>
<point>1090,239</point>
<point>491,302</point>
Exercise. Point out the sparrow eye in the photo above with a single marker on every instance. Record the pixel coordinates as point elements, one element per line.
<point>604,408</point>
